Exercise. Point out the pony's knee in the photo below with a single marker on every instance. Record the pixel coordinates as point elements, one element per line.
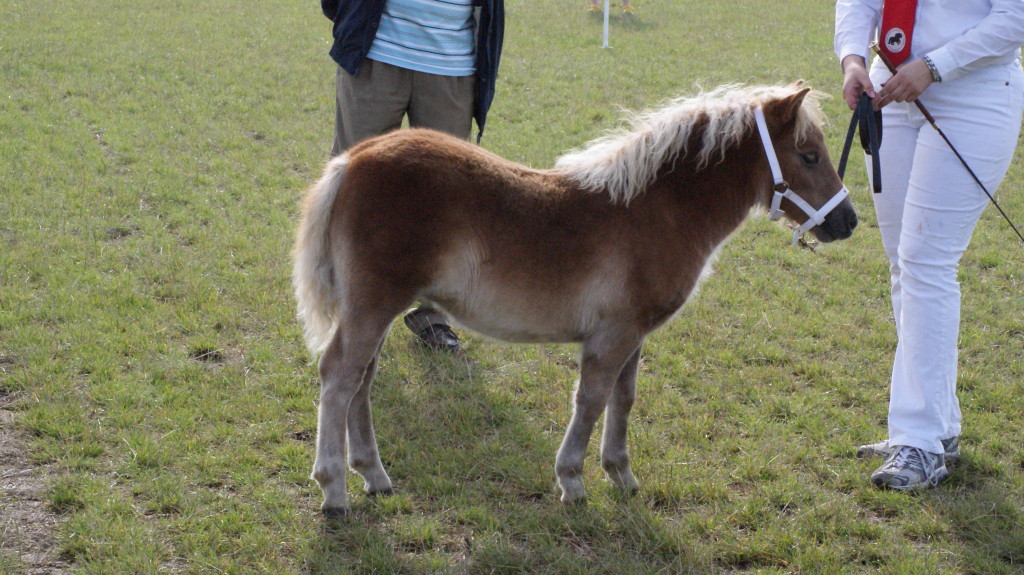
<point>590,406</point>
<point>625,396</point>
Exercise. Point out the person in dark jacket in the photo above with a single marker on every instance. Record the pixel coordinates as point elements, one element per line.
<point>432,62</point>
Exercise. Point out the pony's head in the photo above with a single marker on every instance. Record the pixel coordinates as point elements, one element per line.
<point>807,189</point>
<point>625,162</point>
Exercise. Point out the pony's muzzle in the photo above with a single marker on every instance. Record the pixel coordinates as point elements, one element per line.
<point>823,221</point>
<point>839,223</point>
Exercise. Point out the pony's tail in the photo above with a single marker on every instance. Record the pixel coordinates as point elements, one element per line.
<point>313,274</point>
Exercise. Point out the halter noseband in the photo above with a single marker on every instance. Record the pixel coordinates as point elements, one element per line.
<point>815,217</point>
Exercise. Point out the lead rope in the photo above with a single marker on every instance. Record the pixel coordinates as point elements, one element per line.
<point>869,123</point>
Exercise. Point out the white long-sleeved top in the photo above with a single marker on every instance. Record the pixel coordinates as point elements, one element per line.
<point>959,36</point>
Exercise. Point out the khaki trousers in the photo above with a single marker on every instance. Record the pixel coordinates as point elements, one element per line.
<point>380,96</point>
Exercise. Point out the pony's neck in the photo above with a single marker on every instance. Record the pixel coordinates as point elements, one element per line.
<point>718,197</point>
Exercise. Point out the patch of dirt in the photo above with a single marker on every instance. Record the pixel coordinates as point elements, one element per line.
<point>27,525</point>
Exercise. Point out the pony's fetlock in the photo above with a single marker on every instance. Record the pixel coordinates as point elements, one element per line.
<point>335,500</point>
<point>330,476</point>
<point>376,482</point>
<point>622,477</point>
<point>572,489</point>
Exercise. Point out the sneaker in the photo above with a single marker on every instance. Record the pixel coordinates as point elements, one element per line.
<point>628,9</point>
<point>910,468</point>
<point>882,449</point>
<point>594,8</point>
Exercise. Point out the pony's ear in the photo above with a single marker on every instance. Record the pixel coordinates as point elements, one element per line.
<point>785,110</point>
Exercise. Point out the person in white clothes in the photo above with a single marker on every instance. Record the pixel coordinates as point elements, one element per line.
<point>962,59</point>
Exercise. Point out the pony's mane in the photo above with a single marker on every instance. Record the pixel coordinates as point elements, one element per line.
<point>626,160</point>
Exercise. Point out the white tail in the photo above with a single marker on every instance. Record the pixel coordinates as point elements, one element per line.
<point>313,275</point>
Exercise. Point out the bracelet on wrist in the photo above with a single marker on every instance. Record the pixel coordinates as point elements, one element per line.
<point>936,77</point>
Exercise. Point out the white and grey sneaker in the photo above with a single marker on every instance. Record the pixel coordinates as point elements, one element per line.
<point>910,468</point>
<point>882,449</point>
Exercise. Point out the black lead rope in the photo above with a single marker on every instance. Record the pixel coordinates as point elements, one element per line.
<point>869,123</point>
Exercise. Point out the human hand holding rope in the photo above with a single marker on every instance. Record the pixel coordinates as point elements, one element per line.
<point>856,80</point>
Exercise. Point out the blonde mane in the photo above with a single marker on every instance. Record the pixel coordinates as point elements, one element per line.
<point>625,161</point>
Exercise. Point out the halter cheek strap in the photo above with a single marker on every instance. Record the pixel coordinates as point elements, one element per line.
<point>781,187</point>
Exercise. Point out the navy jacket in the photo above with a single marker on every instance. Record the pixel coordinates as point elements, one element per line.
<point>355,27</point>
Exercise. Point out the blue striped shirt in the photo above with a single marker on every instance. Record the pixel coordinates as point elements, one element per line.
<point>433,36</point>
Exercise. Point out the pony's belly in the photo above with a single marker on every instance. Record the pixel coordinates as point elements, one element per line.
<point>521,333</point>
<point>514,321</point>
<point>517,305</point>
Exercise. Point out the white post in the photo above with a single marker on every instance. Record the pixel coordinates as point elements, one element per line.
<point>607,9</point>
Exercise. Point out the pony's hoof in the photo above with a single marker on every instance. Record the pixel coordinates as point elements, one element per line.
<point>334,513</point>
<point>386,492</point>
<point>622,495</point>
<point>578,503</point>
<point>621,477</point>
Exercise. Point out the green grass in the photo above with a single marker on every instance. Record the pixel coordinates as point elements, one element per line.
<point>152,159</point>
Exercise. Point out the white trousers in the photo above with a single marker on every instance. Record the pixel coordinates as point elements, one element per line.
<point>927,211</point>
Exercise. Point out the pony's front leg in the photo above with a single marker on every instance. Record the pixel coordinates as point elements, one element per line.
<point>599,369</point>
<point>614,455</point>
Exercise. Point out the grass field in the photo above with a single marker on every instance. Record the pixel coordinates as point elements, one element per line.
<point>159,405</point>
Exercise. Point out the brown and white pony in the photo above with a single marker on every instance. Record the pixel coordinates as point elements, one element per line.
<point>601,250</point>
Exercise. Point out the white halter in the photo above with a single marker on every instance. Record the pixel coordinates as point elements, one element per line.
<point>782,188</point>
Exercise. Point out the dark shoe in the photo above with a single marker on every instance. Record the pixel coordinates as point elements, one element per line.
<point>437,336</point>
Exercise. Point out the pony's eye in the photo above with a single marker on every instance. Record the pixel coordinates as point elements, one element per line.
<point>810,158</point>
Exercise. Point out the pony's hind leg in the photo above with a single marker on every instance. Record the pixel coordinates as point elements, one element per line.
<point>344,366</point>
<point>364,458</point>
<point>603,361</point>
<point>614,455</point>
